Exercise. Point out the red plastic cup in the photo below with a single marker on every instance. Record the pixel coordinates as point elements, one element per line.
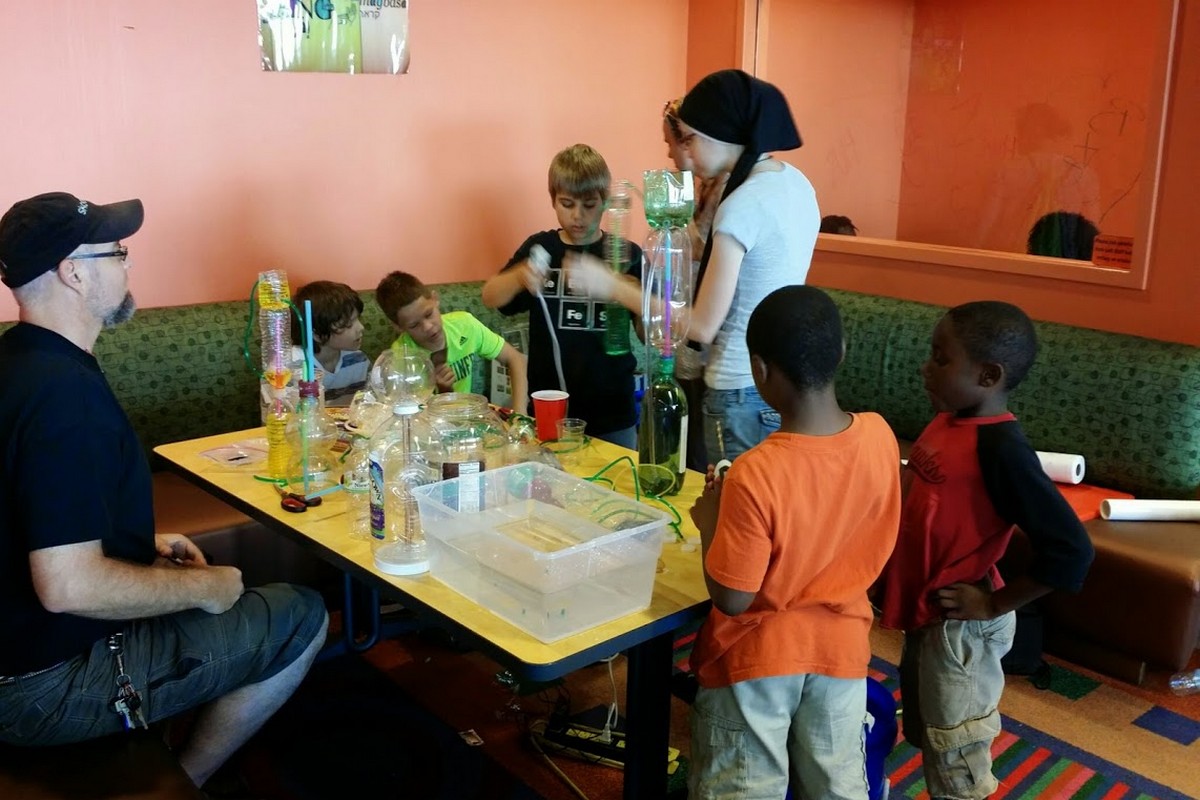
<point>549,406</point>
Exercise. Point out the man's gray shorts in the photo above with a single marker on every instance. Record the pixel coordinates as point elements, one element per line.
<point>177,662</point>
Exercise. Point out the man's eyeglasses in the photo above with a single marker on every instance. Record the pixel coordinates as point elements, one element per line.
<point>121,252</point>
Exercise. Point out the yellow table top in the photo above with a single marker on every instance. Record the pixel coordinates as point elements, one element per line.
<point>679,585</point>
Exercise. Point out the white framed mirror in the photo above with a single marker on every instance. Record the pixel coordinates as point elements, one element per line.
<point>982,134</point>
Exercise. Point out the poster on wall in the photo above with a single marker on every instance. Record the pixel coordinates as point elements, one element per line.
<point>348,36</point>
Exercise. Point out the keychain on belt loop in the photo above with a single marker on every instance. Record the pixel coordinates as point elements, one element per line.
<point>128,702</point>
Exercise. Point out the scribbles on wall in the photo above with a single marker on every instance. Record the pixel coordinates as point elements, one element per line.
<point>346,36</point>
<point>1048,113</point>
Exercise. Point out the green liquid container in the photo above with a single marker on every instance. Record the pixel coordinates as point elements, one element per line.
<point>616,329</point>
<point>662,436</point>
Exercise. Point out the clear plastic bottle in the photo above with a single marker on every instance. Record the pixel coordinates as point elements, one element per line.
<point>397,455</point>
<point>616,316</point>
<point>275,417</point>
<point>1186,682</point>
<point>397,464</point>
<point>356,483</point>
<point>312,468</point>
<point>275,327</point>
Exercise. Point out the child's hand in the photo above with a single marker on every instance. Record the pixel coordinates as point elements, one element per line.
<point>965,601</point>
<point>588,275</point>
<point>706,508</point>
<point>531,278</point>
<point>713,478</point>
<point>443,375</point>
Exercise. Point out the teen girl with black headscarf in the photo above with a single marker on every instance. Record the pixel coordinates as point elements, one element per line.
<point>762,238</point>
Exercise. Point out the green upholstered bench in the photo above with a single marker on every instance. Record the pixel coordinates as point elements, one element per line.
<point>1131,406</point>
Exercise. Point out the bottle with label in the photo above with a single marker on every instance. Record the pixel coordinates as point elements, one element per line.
<point>356,483</point>
<point>397,463</point>
<point>397,456</point>
<point>662,435</point>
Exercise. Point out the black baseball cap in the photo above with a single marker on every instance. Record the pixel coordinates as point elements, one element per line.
<point>38,233</point>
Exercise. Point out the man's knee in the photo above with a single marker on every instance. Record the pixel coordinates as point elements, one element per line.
<point>298,607</point>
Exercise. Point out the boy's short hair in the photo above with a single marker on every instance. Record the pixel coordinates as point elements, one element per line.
<point>798,330</point>
<point>397,290</point>
<point>334,305</point>
<point>996,333</point>
<point>579,171</point>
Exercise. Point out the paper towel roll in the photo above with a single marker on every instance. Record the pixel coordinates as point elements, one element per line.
<point>1062,467</point>
<point>1151,510</point>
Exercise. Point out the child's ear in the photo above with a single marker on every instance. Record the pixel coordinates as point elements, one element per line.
<point>759,368</point>
<point>433,295</point>
<point>991,375</point>
<point>842,357</point>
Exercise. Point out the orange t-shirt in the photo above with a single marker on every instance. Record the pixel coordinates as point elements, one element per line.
<point>806,523</point>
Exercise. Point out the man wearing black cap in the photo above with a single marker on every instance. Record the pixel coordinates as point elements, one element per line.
<point>83,576</point>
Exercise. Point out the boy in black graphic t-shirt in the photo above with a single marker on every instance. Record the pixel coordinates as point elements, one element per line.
<point>600,386</point>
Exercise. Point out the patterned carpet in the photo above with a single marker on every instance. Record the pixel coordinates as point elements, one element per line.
<point>387,725</point>
<point>1086,737</point>
<point>1029,763</point>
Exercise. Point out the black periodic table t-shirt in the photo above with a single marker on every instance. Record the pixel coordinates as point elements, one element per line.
<point>600,385</point>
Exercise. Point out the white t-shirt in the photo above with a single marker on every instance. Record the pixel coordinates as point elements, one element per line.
<point>773,215</point>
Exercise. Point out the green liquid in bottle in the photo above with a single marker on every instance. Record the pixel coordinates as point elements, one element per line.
<point>662,437</point>
<point>616,329</point>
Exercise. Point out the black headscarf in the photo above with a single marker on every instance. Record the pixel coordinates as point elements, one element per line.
<point>736,107</point>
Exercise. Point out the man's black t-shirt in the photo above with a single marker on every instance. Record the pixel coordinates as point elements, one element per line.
<point>71,470</point>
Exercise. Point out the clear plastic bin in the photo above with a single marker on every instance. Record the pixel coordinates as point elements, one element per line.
<point>549,552</point>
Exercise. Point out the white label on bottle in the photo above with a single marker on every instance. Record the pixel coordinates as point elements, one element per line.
<point>683,437</point>
<point>468,486</point>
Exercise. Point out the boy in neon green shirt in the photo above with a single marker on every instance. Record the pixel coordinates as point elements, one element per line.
<point>452,339</point>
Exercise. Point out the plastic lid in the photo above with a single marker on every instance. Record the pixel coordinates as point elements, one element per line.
<point>406,407</point>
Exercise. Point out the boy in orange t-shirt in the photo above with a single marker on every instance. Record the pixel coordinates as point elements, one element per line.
<point>792,538</point>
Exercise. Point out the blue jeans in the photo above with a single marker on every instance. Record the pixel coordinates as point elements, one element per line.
<point>626,437</point>
<point>735,420</point>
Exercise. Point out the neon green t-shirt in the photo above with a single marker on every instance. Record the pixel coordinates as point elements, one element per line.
<point>465,337</point>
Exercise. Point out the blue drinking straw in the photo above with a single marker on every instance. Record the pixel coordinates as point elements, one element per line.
<point>308,339</point>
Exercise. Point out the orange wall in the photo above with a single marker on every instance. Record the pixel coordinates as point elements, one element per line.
<point>843,66</point>
<point>997,135</point>
<point>713,37</point>
<point>441,172</point>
